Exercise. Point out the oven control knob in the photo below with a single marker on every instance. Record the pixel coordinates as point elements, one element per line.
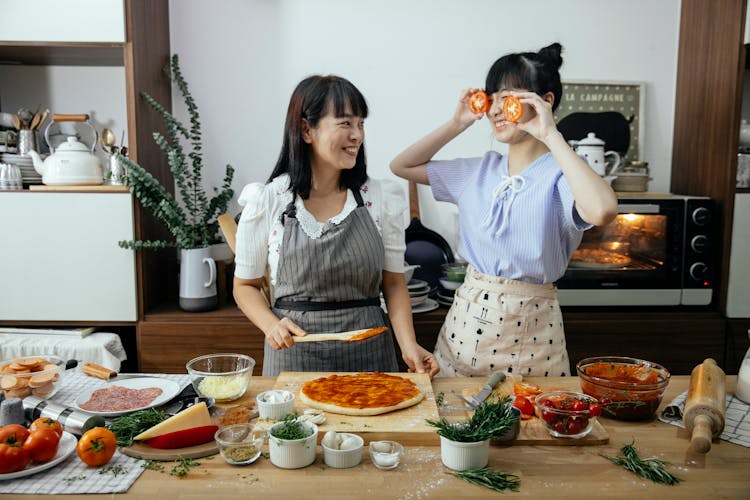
<point>699,243</point>
<point>701,216</point>
<point>699,271</point>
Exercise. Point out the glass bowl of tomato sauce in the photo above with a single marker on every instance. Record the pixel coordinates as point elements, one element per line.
<point>627,388</point>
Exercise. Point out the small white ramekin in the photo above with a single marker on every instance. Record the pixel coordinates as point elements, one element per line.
<point>274,411</point>
<point>343,459</point>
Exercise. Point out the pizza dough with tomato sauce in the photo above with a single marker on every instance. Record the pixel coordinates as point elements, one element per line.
<point>360,394</point>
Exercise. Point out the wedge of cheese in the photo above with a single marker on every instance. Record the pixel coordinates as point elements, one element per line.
<point>195,416</point>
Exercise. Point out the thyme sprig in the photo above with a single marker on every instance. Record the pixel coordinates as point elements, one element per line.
<point>491,419</point>
<point>290,429</point>
<point>126,427</point>
<point>649,468</point>
<point>498,481</point>
<point>183,466</point>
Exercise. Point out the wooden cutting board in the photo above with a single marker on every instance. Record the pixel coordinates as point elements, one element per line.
<point>406,426</point>
<point>145,452</point>
<point>533,432</point>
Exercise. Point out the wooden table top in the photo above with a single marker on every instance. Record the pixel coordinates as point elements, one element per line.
<point>550,471</point>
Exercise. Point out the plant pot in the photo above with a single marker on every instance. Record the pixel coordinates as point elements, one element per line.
<point>464,456</point>
<point>197,280</point>
<point>293,453</point>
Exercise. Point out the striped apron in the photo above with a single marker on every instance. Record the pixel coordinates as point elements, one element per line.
<point>500,324</point>
<point>332,284</point>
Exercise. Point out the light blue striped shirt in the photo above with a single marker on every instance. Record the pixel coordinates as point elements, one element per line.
<point>523,227</point>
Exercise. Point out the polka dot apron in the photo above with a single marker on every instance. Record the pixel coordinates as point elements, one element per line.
<point>500,324</point>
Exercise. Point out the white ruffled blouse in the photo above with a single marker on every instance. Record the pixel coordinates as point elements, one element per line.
<point>260,231</point>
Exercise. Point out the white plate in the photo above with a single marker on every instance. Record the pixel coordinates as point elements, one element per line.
<point>450,285</point>
<point>426,306</point>
<point>418,300</point>
<point>417,284</point>
<point>169,390</point>
<point>68,443</point>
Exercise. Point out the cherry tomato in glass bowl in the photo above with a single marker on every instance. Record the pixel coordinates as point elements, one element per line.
<point>512,109</point>
<point>567,414</point>
<point>97,446</point>
<point>46,423</point>
<point>479,102</point>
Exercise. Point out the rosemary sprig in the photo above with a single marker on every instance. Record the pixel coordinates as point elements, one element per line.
<point>128,426</point>
<point>290,429</point>
<point>491,419</point>
<point>440,399</point>
<point>183,466</point>
<point>498,481</point>
<point>649,468</point>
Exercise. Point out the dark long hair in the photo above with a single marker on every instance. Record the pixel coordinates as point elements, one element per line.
<point>312,100</point>
<point>537,71</point>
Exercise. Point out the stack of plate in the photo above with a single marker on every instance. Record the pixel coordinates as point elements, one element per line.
<point>23,162</point>
<point>445,297</point>
<point>419,292</point>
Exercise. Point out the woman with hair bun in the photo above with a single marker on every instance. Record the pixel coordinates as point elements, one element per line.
<point>521,216</point>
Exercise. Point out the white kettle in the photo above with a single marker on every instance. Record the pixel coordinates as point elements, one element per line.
<point>72,162</point>
<point>591,149</point>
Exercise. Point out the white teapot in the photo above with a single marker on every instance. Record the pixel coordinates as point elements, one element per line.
<point>591,149</point>
<point>72,162</point>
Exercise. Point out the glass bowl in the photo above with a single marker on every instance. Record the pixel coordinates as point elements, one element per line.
<point>31,376</point>
<point>567,414</point>
<point>386,455</point>
<point>627,388</point>
<point>240,444</point>
<point>455,271</point>
<point>224,377</point>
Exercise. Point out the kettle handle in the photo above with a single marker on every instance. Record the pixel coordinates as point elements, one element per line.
<point>616,163</point>
<point>81,118</point>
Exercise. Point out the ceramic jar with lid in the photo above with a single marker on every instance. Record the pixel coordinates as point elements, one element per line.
<point>591,149</point>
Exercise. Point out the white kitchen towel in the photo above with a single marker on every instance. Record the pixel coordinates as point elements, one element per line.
<point>736,424</point>
<point>72,476</point>
<point>102,348</point>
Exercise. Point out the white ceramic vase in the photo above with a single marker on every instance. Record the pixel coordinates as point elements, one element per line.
<point>293,453</point>
<point>197,280</point>
<point>464,456</point>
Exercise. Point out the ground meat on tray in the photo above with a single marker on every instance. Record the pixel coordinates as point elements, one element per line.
<point>118,398</point>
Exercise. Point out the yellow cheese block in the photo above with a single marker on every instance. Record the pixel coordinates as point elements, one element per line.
<point>195,416</point>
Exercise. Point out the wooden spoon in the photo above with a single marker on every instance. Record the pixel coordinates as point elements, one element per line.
<point>351,336</point>
<point>16,122</point>
<point>35,121</point>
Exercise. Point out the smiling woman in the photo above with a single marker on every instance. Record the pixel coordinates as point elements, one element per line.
<point>320,211</point>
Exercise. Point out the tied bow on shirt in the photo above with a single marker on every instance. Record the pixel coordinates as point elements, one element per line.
<point>515,184</point>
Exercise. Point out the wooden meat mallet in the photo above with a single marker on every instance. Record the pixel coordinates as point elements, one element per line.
<point>705,405</point>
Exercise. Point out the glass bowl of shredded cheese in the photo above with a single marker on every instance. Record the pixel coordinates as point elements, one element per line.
<point>224,377</point>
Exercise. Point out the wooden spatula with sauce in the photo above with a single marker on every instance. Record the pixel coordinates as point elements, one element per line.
<point>351,336</point>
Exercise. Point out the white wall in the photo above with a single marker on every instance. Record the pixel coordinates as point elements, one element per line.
<point>410,58</point>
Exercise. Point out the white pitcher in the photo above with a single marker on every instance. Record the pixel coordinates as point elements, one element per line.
<point>197,280</point>
<point>591,149</point>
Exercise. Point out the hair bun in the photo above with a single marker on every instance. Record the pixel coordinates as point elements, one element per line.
<point>551,54</point>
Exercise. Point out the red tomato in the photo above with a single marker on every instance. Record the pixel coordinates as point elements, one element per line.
<point>578,405</point>
<point>595,410</point>
<point>42,445</point>
<point>479,102</point>
<point>46,423</point>
<point>548,417</point>
<point>13,434</point>
<point>523,404</point>
<point>13,458</point>
<point>97,446</point>
<point>512,109</point>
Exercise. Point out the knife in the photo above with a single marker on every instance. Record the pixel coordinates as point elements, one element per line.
<point>487,388</point>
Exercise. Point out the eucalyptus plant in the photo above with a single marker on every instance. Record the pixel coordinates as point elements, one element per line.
<point>192,219</point>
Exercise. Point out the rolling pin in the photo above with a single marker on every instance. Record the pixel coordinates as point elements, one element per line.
<point>705,405</point>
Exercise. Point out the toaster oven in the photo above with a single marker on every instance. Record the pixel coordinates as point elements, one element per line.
<point>657,251</point>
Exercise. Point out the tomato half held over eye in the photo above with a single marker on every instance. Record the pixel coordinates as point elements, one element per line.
<point>46,423</point>
<point>479,102</point>
<point>42,445</point>
<point>97,446</point>
<point>512,109</point>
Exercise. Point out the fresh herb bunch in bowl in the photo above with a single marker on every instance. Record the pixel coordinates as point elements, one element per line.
<point>292,443</point>
<point>465,445</point>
